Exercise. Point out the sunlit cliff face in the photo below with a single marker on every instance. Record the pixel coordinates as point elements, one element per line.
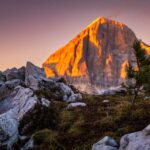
<point>123,71</point>
<point>108,67</point>
<point>68,60</point>
<point>146,47</point>
<point>98,56</point>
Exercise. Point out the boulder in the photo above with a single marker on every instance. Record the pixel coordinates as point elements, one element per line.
<point>13,83</point>
<point>7,88</point>
<point>28,145</point>
<point>146,131</point>
<point>136,141</point>
<point>45,102</point>
<point>147,98</point>
<point>13,74</point>
<point>33,76</point>
<point>75,97</point>
<point>22,102</point>
<point>4,91</point>
<point>8,129</point>
<point>68,93</point>
<point>1,83</point>
<point>2,77</point>
<point>107,143</point>
<point>76,104</point>
<point>112,91</point>
<point>35,79</point>
<point>58,90</point>
<point>22,73</point>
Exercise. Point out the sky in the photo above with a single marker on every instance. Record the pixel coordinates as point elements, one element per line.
<point>31,30</point>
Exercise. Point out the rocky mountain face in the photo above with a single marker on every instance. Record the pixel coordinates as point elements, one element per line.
<point>18,88</point>
<point>96,58</point>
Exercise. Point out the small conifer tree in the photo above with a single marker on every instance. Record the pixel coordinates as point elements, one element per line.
<point>139,78</point>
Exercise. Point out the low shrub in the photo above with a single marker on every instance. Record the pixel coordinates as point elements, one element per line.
<point>39,118</point>
<point>46,140</point>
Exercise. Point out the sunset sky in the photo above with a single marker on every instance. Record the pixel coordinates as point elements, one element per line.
<point>30,30</point>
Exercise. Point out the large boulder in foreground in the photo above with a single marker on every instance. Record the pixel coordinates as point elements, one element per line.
<point>22,102</point>
<point>8,129</point>
<point>136,141</point>
<point>107,143</point>
<point>17,98</point>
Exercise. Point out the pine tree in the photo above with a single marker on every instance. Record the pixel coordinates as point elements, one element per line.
<point>139,78</point>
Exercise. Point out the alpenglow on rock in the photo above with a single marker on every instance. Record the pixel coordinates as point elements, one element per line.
<point>96,58</point>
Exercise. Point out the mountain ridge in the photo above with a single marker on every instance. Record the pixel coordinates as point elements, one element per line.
<point>96,58</point>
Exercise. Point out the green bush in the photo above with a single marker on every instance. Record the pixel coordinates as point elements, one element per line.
<point>39,118</point>
<point>46,140</point>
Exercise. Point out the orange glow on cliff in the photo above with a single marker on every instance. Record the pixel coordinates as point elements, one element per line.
<point>136,69</point>
<point>123,72</point>
<point>109,59</point>
<point>68,63</point>
<point>146,47</point>
<point>49,72</point>
<point>108,68</point>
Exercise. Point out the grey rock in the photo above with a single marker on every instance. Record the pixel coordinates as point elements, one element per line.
<point>9,128</point>
<point>112,91</point>
<point>59,90</point>
<point>22,73</point>
<point>106,101</point>
<point>2,77</point>
<point>7,88</point>
<point>136,141</point>
<point>35,78</point>
<point>45,102</point>
<point>147,98</point>
<point>28,145</point>
<point>33,75</point>
<point>76,104</point>
<point>12,74</point>
<point>68,93</point>
<point>4,91</point>
<point>107,143</point>
<point>13,83</point>
<point>1,83</point>
<point>75,97</point>
<point>22,102</point>
<point>146,131</point>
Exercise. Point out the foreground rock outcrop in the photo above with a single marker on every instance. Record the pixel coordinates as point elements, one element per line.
<point>107,143</point>
<point>19,94</point>
<point>136,141</point>
<point>19,105</point>
<point>133,141</point>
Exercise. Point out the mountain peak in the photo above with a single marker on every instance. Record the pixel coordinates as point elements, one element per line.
<point>96,58</point>
<point>100,19</point>
<point>103,20</point>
